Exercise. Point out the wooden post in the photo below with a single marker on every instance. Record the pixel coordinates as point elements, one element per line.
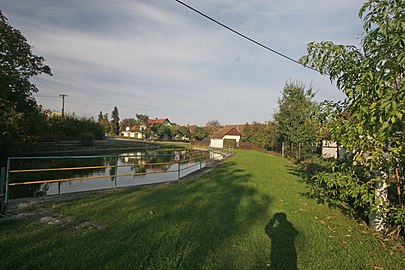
<point>299,150</point>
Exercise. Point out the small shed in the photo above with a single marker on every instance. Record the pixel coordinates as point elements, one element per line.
<point>227,136</point>
<point>332,150</point>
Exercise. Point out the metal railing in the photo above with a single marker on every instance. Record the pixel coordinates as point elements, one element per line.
<point>190,158</point>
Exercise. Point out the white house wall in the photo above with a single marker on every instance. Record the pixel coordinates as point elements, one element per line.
<point>132,134</point>
<point>217,143</point>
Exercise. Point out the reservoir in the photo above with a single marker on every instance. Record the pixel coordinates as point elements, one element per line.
<point>40,176</point>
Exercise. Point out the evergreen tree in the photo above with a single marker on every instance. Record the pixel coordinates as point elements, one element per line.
<point>100,116</point>
<point>115,121</point>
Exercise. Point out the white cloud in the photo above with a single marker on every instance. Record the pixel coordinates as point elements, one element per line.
<point>159,58</point>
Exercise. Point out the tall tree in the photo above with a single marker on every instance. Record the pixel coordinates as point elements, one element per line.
<point>212,126</point>
<point>261,135</point>
<point>127,122</point>
<point>371,118</point>
<point>105,123</point>
<point>142,122</point>
<point>115,121</point>
<point>296,115</point>
<point>20,116</point>
<point>200,134</point>
<point>100,116</point>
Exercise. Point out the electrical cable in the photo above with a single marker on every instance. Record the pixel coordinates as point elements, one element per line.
<point>244,36</point>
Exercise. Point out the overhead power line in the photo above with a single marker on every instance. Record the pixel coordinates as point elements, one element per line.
<point>244,36</point>
<point>46,96</point>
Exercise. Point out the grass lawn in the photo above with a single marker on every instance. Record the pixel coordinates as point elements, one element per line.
<point>247,213</point>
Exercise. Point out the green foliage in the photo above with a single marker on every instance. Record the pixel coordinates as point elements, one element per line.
<point>297,117</point>
<point>370,121</point>
<point>20,117</point>
<point>127,122</point>
<point>261,135</point>
<point>347,186</point>
<point>142,122</point>
<point>115,121</point>
<point>180,132</point>
<point>212,126</point>
<point>200,133</point>
<point>72,127</point>
<point>105,123</point>
<point>162,131</point>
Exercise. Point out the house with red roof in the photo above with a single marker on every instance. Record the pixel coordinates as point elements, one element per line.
<point>161,121</point>
<point>140,131</point>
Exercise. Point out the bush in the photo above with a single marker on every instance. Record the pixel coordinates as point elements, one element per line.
<point>72,127</point>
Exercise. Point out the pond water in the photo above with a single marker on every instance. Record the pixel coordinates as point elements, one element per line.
<point>75,174</point>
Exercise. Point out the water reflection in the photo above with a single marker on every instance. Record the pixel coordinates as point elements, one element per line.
<point>133,168</point>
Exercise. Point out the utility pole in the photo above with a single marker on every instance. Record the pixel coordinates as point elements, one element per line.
<point>63,104</point>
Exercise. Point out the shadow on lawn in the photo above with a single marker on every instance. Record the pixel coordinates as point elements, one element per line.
<point>189,225</point>
<point>282,234</point>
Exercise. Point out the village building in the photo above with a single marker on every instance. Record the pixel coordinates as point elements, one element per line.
<point>133,132</point>
<point>225,137</point>
<point>161,121</point>
<point>139,132</point>
<point>332,150</point>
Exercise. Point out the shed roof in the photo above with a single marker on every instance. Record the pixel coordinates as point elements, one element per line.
<point>225,131</point>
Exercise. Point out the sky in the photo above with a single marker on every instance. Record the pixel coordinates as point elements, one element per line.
<point>157,57</point>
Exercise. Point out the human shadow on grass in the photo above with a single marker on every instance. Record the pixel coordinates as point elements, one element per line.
<point>282,234</point>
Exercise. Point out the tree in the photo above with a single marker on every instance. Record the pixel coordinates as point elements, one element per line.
<point>200,134</point>
<point>115,121</point>
<point>371,118</point>
<point>127,122</point>
<point>180,132</point>
<point>260,135</point>
<point>20,118</point>
<point>296,116</point>
<point>143,123</point>
<point>212,126</point>
<point>100,116</point>
<point>161,131</point>
<point>105,123</point>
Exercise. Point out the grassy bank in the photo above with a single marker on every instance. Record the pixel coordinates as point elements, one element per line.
<point>248,213</point>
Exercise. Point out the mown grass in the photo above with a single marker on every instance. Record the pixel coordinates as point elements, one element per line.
<point>224,220</point>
